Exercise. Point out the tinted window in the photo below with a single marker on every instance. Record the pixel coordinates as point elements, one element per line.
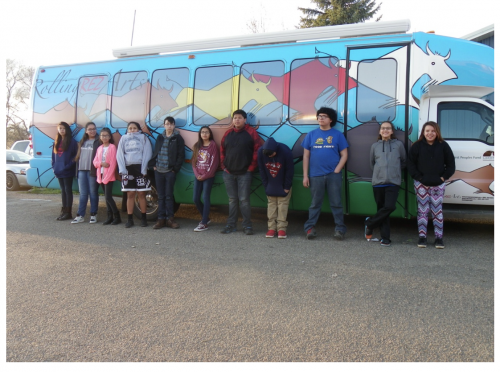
<point>376,93</point>
<point>466,120</point>
<point>213,88</point>
<point>314,83</point>
<point>91,101</point>
<point>261,92</point>
<point>128,103</point>
<point>169,96</point>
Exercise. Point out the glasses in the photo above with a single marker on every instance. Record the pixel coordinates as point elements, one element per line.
<point>105,135</point>
<point>205,132</point>
<point>323,116</point>
<point>167,123</point>
<point>91,129</point>
<point>389,128</point>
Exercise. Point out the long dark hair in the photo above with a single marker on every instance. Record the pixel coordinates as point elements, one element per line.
<point>393,135</point>
<point>197,146</point>
<point>85,138</point>
<point>433,124</point>
<point>66,139</point>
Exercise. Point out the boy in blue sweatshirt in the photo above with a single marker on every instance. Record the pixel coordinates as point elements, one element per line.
<point>276,170</point>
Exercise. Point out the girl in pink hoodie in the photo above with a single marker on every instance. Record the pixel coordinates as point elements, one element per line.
<point>105,163</point>
<point>205,162</point>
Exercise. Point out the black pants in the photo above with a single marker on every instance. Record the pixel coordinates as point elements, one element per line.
<point>386,199</point>
<point>108,195</point>
<point>66,191</point>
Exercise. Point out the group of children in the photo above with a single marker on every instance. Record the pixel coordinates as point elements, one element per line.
<point>95,160</point>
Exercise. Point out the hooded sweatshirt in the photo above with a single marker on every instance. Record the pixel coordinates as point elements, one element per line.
<point>387,158</point>
<point>428,163</point>
<point>276,172</point>
<point>133,148</point>
<point>207,162</point>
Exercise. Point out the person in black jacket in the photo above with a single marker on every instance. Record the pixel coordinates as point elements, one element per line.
<point>166,161</point>
<point>430,163</point>
<point>276,171</point>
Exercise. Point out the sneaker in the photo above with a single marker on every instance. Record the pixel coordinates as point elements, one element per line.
<point>385,242</point>
<point>438,243</point>
<point>228,229</point>
<point>208,223</point>
<point>248,231</point>
<point>368,232</point>
<point>270,234</point>
<point>78,219</point>
<point>93,218</point>
<point>422,242</point>
<point>339,235</point>
<point>311,233</point>
<point>201,227</point>
<point>281,234</point>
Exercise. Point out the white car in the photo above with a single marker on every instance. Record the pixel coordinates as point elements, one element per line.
<point>23,146</point>
<point>17,164</point>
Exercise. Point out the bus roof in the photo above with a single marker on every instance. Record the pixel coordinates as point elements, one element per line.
<point>315,33</point>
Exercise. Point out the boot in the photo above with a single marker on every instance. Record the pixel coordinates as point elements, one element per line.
<point>144,221</point>
<point>130,221</point>
<point>171,223</point>
<point>117,219</point>
<point>109,220</point>
<point>61,214</point>
<point>67,215</point>
<point>159,224</point>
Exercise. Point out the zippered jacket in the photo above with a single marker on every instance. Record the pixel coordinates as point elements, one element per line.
<point>387,158</point>
<point>64,165</point>
<point>176,152</point>
<point>238,150</point>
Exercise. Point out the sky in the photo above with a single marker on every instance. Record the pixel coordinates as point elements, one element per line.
<point>53,32</point>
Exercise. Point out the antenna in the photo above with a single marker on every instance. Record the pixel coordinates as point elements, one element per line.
<point>133,25</point>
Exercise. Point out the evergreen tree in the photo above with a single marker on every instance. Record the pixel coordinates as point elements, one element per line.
<point>338,12</point>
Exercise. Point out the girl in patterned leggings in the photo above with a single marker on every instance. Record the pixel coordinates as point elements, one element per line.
<point>431,163</point>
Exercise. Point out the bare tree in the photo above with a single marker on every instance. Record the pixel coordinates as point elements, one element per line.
<point>256,26</point>
<point>18,82</point>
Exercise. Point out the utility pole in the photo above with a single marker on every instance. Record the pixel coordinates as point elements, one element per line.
<point>133,25</point>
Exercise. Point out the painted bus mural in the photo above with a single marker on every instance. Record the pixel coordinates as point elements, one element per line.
<point>405,78</point>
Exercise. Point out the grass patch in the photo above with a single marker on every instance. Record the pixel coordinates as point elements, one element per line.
<point>42,190</point>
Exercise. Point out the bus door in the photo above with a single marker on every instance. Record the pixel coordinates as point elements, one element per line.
<point>380,94</point>
<point>465,116</point>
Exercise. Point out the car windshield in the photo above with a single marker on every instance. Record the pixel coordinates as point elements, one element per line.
<point>17,157</point>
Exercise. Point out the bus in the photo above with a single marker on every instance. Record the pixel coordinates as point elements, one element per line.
<point>368,73</point>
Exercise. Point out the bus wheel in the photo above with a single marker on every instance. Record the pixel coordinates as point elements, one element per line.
<point>151,205</point>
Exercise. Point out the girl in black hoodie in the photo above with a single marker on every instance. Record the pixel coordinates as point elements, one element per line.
<point>430,163</point>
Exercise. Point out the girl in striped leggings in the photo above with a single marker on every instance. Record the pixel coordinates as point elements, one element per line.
<point>431,163</point>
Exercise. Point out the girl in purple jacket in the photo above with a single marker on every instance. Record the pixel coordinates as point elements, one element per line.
<point>205,162</point>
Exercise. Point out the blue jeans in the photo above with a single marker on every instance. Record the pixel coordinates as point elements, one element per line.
<point>204,187</point>
<point>66,185</point>
<point>87,185</point>
<point>238,190</point>
<point>165,189</point>
<point>333,184</point>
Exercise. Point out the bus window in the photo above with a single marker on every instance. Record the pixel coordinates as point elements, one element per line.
<point>91,101</point>
<point>261,92</point>
<point>169,96</point>
<point>466,120</point>
<point>376,93</point>
<point>213,88</point>
<point>314,83</point>
<point>128,102</point>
